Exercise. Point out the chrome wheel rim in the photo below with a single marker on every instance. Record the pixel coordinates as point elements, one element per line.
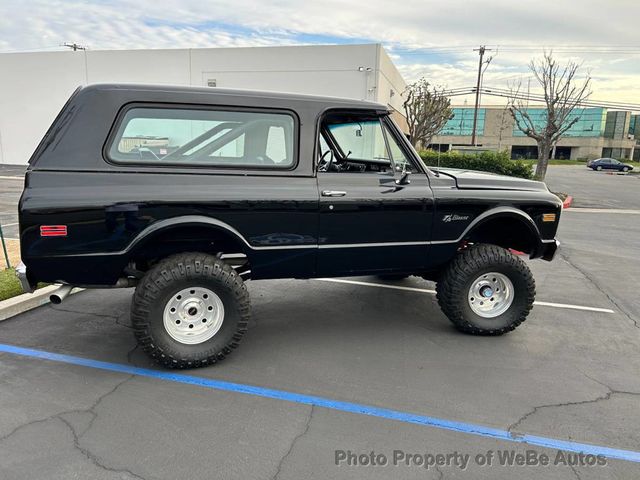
<point>193,315</point>
<point>490,295</point>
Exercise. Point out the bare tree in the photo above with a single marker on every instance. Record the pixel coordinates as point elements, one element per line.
<point>563,93</point>
<point>427,110</point>
<point>504,126</point>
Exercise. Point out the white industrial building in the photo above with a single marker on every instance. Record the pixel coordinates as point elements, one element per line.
<point>35,86</point>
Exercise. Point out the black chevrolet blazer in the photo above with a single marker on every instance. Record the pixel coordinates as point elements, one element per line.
<point>185,193</point>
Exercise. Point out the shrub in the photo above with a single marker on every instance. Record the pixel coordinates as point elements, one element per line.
<point>494,162</point>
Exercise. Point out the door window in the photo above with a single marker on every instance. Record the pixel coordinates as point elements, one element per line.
<point>363,143</point>
<point>400,160</point>
<point>360,140</point>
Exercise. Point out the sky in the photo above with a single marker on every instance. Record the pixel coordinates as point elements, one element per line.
<point>425,38</point>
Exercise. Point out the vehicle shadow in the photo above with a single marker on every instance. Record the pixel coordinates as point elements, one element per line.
<point>293,321</point>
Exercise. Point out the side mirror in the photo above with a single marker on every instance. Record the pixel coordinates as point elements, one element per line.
<point>404,179</point>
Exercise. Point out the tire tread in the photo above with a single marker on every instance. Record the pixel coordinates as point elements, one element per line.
<point>177,267</point>
<point>451,287</point>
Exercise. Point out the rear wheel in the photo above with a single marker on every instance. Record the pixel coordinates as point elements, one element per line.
<point>190,310</point>
<point>486,290</point>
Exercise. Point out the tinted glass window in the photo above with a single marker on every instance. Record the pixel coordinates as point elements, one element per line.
<point>204,137</point>
<point>360,140</point>
<point>400,160</point>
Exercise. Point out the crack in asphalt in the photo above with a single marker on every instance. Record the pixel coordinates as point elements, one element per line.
<point>116,318</point>
<point>125,325</point>
<point>601,398</point>
<point>589,277</point>
<point>575,472</point>
<point>94,459</point>
<point>440,472</point>
<point>77,436</point>
<point>130,354</point>
<point>293,443</point>
<point>28,424</point>
<point>92,408</point>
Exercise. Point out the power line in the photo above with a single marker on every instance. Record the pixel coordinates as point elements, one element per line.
<point>504,93</point>
<point>540,96</point>
<point>596,49</point>
<point>74,46</point>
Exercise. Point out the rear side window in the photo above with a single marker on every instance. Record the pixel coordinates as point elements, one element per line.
<point>199,137</point>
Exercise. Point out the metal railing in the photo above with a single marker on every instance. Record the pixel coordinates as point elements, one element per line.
<point>4,248</point>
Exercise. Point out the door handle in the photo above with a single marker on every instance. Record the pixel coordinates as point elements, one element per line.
<point>333,193</point>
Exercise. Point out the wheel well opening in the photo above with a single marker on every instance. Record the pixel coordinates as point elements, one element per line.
<point>506,232</point>
<point>190,238</point>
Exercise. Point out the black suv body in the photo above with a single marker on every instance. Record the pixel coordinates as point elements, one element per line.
<point>157,187</point>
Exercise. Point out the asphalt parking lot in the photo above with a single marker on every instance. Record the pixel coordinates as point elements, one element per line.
<point>595,189</point>
<point>10,188</point>
<point>329,367</point>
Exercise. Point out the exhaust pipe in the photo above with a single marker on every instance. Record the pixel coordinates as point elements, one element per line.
<point>62,293</point>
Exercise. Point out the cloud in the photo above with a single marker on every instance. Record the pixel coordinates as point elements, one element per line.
<point>425,38</point>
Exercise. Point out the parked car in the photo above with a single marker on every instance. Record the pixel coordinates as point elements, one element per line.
<point>609,164</point>
<point>249,185</point>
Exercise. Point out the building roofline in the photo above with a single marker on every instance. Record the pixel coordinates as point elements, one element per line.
<point>177,49</point>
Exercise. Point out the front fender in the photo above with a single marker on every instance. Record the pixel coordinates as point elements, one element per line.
<point>501,212</point>
<point>509,212</point>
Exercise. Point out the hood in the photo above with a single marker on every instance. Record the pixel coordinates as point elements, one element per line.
<point>474,180</point>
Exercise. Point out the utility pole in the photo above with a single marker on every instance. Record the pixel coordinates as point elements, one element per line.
<point>74,46</point>
<point>481,50</point>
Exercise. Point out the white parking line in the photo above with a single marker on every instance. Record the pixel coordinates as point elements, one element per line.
<point>381,285</point>
<point>11,178</point>
<point>432,292</point>
<point>573,307</point>
<point>8,224</point>
<point>602,210</point>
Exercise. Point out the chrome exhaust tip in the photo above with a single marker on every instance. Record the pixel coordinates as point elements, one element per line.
<point>60,294</point>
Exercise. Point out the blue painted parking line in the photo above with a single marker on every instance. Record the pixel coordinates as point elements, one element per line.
<point>360,409</point>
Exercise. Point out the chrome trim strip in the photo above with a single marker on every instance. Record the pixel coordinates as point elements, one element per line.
<point>191,219</point>
<point>293,247</point>
<point>283,247</point>
<point>366,245</point>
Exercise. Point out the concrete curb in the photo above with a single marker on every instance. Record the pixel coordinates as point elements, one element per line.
<point>567,202</point>
<point>28,301</point>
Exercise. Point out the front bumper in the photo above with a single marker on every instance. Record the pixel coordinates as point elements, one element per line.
<point>21,273</point>
<point>549,249</point>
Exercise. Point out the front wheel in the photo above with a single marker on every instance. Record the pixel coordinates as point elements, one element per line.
<point>486,290</point>
<point>190,310</point>
<point>625,169</point>
<point>599,167</point>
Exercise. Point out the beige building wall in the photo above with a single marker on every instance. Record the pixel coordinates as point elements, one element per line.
<point>391,87</point>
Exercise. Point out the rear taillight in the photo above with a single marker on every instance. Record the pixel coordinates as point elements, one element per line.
<point>53,230</point>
